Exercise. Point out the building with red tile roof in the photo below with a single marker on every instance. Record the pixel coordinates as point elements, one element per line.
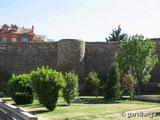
<point>14,33</point>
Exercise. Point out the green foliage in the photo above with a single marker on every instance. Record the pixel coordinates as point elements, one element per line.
<point>129,84</point>
<point>23,98</point>
<point>103,77</point>
<point>139,54</point>
<point>92,83</point>
<point>71,89</point>
<point>116,35</point>
<point>20,89</point>
<point>112,86</point>
<point>46,85</point>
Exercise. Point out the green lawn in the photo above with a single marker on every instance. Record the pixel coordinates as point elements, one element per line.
<point>86,108</point>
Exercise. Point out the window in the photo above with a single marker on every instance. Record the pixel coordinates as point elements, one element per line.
<point>4,40</point>
<point>24,38</point>
<point>14,40</point>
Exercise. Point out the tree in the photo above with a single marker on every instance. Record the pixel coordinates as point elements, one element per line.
<point>92,83</point>
<point>116,35</point>
<point>112,87</point>
<point>70,91</point>
<point>138,54</point>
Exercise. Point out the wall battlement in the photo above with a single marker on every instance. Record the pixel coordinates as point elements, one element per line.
<point>65,55</point>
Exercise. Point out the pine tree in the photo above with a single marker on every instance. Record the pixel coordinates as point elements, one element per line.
<point>116,35</point>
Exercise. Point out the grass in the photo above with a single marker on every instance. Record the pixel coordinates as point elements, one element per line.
<point>86,108</point>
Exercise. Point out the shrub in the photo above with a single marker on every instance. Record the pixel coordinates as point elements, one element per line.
<point>20,89</point>
<point>112,88</point>
<point>92,83</point>
<point>71,89</point>
<point>46,85</point>
<point>103,78</point>
<point>128,85</point>
<point>23,98</point>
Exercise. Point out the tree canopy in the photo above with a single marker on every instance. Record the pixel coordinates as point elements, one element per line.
<point>116,35</point>
<point>138,54</point>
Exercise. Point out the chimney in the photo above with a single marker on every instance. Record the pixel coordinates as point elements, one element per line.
<point>32,28</point>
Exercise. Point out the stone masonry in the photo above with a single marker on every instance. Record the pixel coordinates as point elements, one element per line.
<point>65,55</point>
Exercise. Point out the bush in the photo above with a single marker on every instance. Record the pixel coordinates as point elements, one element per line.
<point>92,83</point>
<point>46,85</point>
<point>23,98</point>
<point>112,86</point>
<point>20,89</point>
<point>71,89</point>
<point>128,85</point>
<point>103,78</point>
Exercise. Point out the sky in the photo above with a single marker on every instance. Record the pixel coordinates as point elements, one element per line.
<point>88,20</point>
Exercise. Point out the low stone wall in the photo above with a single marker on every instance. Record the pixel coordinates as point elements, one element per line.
<point>10,112</point>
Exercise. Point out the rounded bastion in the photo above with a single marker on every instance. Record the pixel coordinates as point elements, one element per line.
<point>70,54</point>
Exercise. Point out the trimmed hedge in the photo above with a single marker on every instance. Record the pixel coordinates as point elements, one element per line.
<point>23,98</point>
<point>20,89</point>
<point>71,89</point>
<point>92,83</point>
<point>46,84</point>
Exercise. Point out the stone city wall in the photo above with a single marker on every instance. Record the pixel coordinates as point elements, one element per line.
<point>65,55</point>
